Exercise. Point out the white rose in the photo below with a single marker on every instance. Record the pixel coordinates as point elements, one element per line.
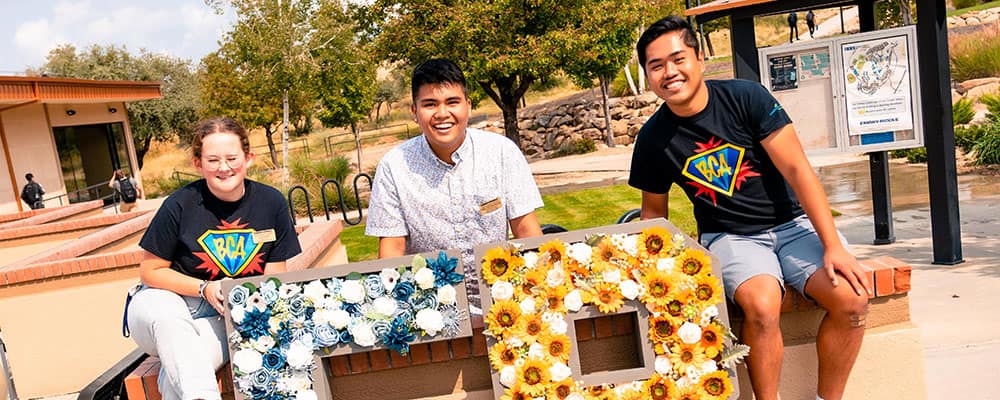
<point>287,290</point>
<point>559,326</point>
<point>363,335</point>
<point>508,375</point>
<point>247,360</point>
<point>296,382</point>
<point>384,306</point>
<point>514,341</point>
<point>692,373</point>
<point>502,290</point>
<point>708,314</point>
<point>536,350</point>
<point>662,365</point>
<point>560,371</point>
<point>316,292</point>
<point>299,355</point>
<point>630,245</point>
<point>237,313</point>
<point>574,396</point>
<point>322,316</point>
<point>424,278</point>
<point>431,321</point>
<point>339,319</point>
<point>573,301</point>
<point>613,276</point>
<point>389,278</point>
<point>446,294</point>
<point>528,305</point>
<point>530,259</point>
<point>630,289</point>
<point>580,252</point>
<point>689,333</point>
<point>353,291</point>
<point>665,264</point>
<point>305,395</point>
<point>708,367</point>
<point>555,277</point>
<point>263,344</point>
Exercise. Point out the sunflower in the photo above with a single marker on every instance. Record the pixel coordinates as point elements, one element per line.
<point>607,297</point>
<point>503,318</point>
<point>533,377</point>
<point>707,290</point>
<point>689,393</point>
<point>712,339</point>
<point>530,280</point>
<point>631,393</point>
<point>554,251</point>
<point>502,355</point>
<point>675,307</point>
<point>683,355</point>
<point>561,390</point>
<point>531,327</point>
<point>716,385</point>
<point>662,328</point>
<point>557,347</point>
<point>554,298</point>
<point>653,243</point>
<point>604,251</point>
<point>693,262</point>
<point>659,288</point>
<point>660,388</point>
<point>515,393</point>
<point>499,264</point>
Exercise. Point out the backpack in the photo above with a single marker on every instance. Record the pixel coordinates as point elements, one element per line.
<point>127,190</point>
<point>32,193</point>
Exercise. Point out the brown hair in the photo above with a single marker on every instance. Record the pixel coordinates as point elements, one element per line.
<point>119,174</point>
<point>218,125</point>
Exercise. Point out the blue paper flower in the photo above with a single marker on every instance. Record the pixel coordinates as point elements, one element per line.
<point>274,360</point>
<point>424,299</point>
<point>353,309</point>
<point>403,290</point>
<point>255,323</point>
<point>345,336</point>
<point>297,305</point>
<point>325,336</point>
<point>373,286</point>
<point>238,296</point>
<point>398,337</point>
<point>444,270</point>
<point>284,335</point>
<point>380,327</point>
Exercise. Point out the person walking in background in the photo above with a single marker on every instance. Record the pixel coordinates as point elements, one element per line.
<point>32,192</point>
<point>176,313</point>
<point>127,190</point>
<point>793,26</point>
<point>811,22</point>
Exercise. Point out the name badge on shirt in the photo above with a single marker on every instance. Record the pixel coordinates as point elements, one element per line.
<point>264,236</point>
<point>490,206</point>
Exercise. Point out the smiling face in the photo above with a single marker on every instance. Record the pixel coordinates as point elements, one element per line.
<point>442,112</point>
<point>223,163</point>
<point>675,70</point>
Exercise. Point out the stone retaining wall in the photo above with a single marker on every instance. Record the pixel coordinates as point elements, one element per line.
<point>975,18</point>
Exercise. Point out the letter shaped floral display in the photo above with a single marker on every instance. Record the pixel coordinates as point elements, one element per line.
<point>528,294</point>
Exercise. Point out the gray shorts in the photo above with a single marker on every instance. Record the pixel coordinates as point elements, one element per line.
<point>790,252</point>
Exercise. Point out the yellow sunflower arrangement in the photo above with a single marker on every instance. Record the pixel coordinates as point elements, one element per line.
<point>532,292</point>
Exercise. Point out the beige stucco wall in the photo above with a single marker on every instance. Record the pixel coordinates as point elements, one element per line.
<point>63,333</point>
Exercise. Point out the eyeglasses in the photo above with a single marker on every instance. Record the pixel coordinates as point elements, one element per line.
<point>214,164</point>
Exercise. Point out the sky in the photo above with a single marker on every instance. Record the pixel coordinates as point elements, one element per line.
<point>182,28</point>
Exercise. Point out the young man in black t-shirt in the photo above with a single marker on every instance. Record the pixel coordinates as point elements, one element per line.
<point>760,207</point>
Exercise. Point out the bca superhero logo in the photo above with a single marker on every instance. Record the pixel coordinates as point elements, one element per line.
<point>717,168</point>
<point>230,250</point>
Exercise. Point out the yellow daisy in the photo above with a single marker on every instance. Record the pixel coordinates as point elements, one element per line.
<point>502,355</point>
<point>499,264</point>
<point>561,390</point>
<point>653,243</point>
<point>712,340</point>
<point>683,355</point>
<point>533,377</point>
<point>557,347</point>
<point>660,388</point>
<point>662,328</point>
<point>716,385</point>
<point>607,297</point>
<point>503,318</point>
<point>531,327</point>
<point>693,262</point>
<point>659,288</point>
<point>708,290</point>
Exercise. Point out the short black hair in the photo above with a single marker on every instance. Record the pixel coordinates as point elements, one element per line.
<point>670,23</point>
<point>437,71</point>
<point>29,176</point>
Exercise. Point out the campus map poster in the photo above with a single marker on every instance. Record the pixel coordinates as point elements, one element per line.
<point>877,85</point>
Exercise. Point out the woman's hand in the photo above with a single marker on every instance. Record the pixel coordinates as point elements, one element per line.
<point>213,295</point>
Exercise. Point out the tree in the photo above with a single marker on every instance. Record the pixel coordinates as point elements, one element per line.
<point>160,120</point>
<point>599,43</point>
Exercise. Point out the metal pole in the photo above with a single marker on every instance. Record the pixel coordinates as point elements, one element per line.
<point>842,30</point>
<point>284,133</point>
<point>878,162</point>
<point>8,376</point>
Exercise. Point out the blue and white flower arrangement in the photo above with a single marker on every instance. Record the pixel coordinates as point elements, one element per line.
<point>279,326</point>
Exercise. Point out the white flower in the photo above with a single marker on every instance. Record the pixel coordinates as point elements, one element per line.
<point>536,350</point>
<point>430,320</point>
<point>247,360</point>
<point>502,290</point>
<point>237,313</point>
<point>446,294</point>
<point>514,341</point>
<point>662,365</point>
<point>424,278</point>
<point>580,252</point>
<point>693,373</point>
<point>363,335</point>
<point>262,344</point>
<point>665,264</point>
<point>296,382</point>
<point>257,301</point>
<point>530,259</point>
<point>305,395</point>
<point>353,291</point>
<point>299,354</point>
<point>528,305</point>
<point>389,278</point>
<point>573,300</point>
<point>630,289</point>
<point>613,276</point>
<point>339,319</point>
<point>384,306</point>
<point>559,371</point>
<point>555,277</point>
<point>708,367</point>
<point>689,333</point>
<point>559,326</point>
<point>316,292</point>
<point>574,396</point>
<point>630,245</point>
<point>507,376</point>
<point>287,290</point>
<point>708,314</point>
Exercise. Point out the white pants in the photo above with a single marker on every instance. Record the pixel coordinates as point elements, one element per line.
<point>188,336</point>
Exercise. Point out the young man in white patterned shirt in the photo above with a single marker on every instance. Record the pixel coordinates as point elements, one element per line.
<point>453,186</point>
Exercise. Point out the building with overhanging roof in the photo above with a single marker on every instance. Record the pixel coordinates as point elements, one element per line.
<point>70,133</point>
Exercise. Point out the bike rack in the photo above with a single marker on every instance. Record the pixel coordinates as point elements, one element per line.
<point>291,207</point>
<point>340,198</point>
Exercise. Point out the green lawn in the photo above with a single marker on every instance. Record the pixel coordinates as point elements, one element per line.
<point>572,210</point>
<point>983,6</point>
